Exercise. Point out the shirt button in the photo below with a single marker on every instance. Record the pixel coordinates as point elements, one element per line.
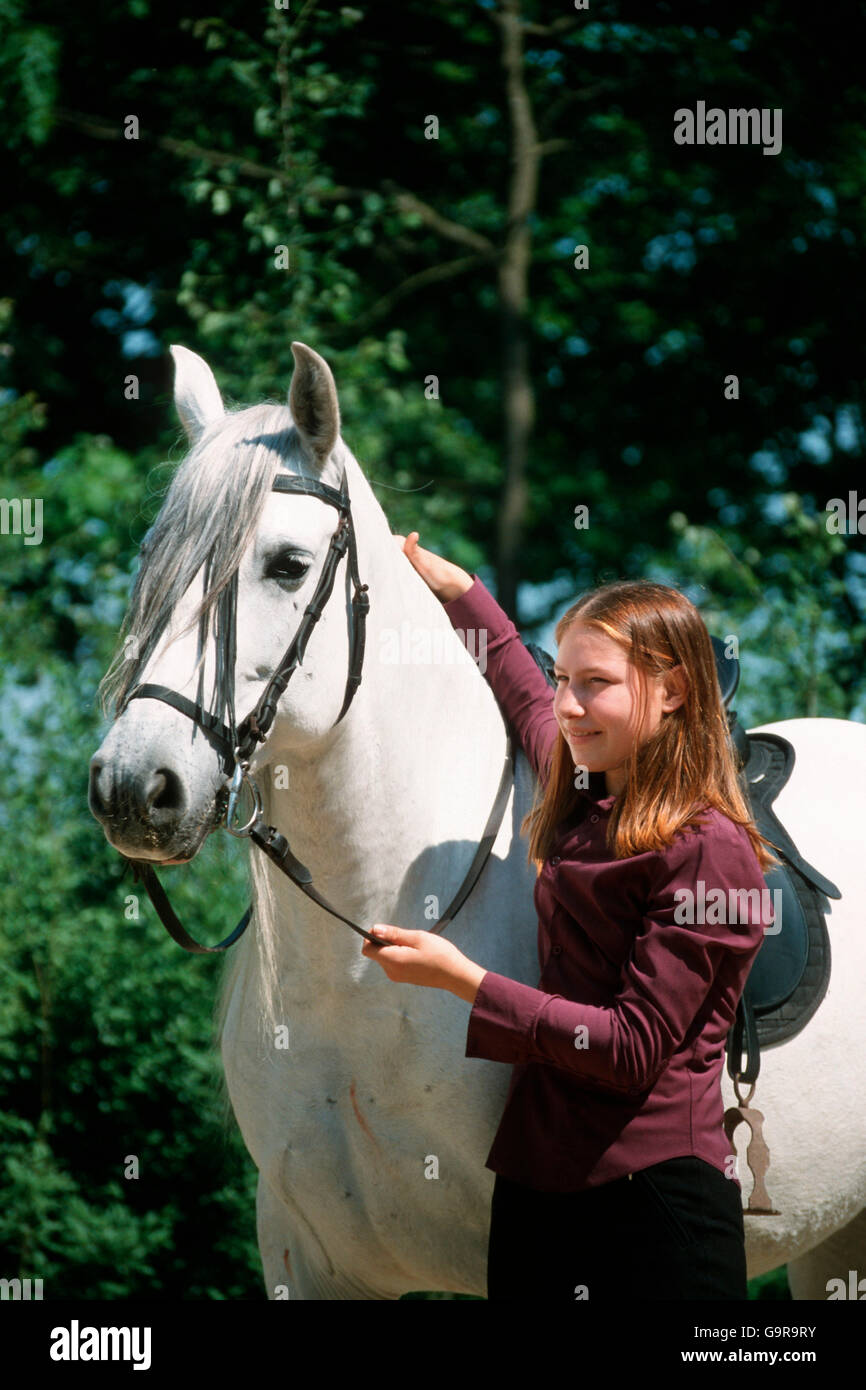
<point>593,818</point>
<point>556,859</point>
<point>557,950</point>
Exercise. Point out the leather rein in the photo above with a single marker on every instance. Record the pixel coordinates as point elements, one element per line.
<point>238,743</point>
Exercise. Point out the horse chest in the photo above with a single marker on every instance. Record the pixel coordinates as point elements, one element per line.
<point>319,1094</point>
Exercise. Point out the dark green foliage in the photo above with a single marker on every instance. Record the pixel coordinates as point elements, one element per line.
<point>106,1050</point>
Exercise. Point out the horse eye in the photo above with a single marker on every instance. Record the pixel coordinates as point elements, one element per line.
<point>286,565</point>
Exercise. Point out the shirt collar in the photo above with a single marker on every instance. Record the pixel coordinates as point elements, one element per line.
<point>596,793</point>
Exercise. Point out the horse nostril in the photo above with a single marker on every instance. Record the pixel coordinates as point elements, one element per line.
<point>163,791</point>
<point>94,792</point>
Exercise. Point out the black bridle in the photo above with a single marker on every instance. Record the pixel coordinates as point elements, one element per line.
<point>238,743</point>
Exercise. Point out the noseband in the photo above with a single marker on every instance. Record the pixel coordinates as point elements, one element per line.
<point>238,743</point>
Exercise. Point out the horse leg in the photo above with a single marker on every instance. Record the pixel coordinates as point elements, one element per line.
<point>834,1258</point>
<point>276,1236</point>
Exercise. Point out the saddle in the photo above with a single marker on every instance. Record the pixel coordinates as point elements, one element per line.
<point>791,971</point>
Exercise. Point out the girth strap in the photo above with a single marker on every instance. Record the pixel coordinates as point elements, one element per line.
<point>743,1037</point>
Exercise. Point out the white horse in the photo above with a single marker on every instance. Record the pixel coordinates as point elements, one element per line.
<point>370,1128</point>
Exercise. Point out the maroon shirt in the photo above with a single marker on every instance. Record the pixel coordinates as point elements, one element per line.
<point>618,1053</point>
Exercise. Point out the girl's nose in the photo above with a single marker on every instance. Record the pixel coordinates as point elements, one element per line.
<point>569,703</point>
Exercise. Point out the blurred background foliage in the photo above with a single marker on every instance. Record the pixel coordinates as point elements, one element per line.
<point>305,128</point>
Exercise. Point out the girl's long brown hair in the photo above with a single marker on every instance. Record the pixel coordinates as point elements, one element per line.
<point>687,765</point>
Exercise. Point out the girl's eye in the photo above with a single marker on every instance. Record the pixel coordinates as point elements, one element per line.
<point>592,678</point>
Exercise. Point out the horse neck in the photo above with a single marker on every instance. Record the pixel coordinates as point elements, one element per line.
<point>403,785</point>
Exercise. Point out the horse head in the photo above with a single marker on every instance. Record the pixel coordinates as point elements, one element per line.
<point>226,573</point>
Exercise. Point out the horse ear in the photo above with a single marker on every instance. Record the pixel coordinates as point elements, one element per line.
<point>196,395</point>
<point>313,402</point>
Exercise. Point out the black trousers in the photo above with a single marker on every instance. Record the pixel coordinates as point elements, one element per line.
<point>671,1231</point>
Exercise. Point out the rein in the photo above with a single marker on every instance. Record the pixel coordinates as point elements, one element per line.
<point>238,743</point>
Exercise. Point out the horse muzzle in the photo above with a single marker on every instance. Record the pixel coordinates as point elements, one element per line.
<point>146,813</point>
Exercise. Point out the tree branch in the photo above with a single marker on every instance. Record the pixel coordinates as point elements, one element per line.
<point>408,202</point>
<point>552,146</point>
<point>185,148</point>
<point>403,199</point>
<point>526,26</point>
<point>446,270</point>
<point>548,31</point>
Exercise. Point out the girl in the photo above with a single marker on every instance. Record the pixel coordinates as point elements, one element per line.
<point>614,1178</point>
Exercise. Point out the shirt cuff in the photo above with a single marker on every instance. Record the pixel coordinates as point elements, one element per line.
<point>502,1020</point>
<point>455,606</point>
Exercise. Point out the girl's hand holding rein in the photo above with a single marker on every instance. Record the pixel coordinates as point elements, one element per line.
<point>419,958</point>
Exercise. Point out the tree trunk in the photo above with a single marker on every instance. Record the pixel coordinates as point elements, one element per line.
<point>517,393</point>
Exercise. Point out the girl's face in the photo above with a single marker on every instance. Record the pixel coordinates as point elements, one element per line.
<point>596,702</point>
